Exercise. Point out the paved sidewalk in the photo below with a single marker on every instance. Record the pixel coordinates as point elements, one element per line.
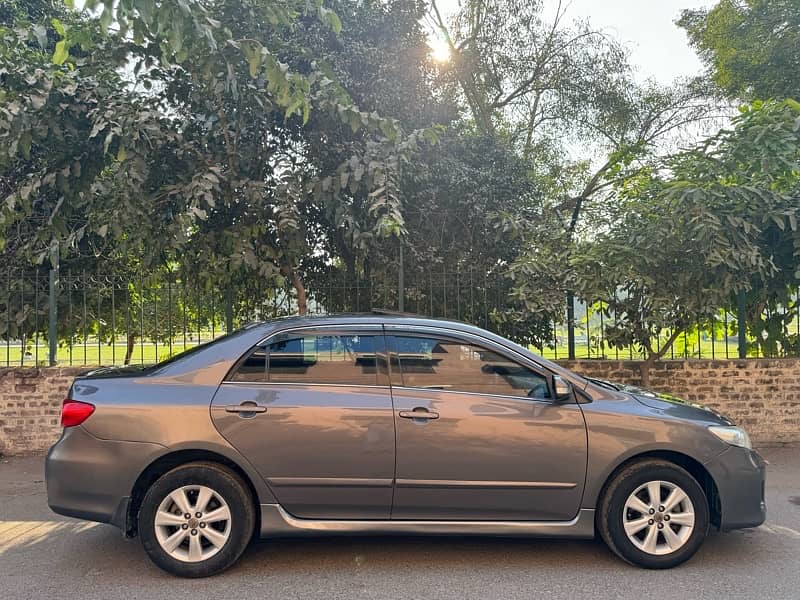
<point>43,555</point>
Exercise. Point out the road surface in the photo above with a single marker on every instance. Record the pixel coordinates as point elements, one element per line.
<point>43,555</point>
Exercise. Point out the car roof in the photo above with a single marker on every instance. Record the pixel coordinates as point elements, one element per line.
<point>376,317</point>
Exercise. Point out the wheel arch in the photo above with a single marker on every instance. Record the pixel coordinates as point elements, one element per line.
<point>694,467</point>
<point>176,458</point>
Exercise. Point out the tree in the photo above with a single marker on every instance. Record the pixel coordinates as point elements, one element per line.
<point>568,86</point>
<point>750,47</point>
<point>680,241</point>
<point>206,161</point>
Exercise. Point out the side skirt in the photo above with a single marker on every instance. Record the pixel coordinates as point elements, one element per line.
<point>276,522</point>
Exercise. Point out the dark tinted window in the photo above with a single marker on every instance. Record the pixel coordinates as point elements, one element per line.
<point>252,368</point>
<point>340,359</point>
<point>429,362</point>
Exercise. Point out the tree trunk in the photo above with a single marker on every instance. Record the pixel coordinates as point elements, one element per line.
<point>129,350</point>
<point>299,287</point>
<point>653,356</point>
<point>644,372</point>
<point>302,301</point>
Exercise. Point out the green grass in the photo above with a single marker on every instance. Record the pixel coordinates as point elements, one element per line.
<point>706,349</point>
<point>91,354</point>
<point>147,353</point>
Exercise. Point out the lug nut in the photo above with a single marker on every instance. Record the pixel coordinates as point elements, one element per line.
<point>198,514</point>
<point>666,517</point>
<point>202,525</point>
<point>185,526</point>
<point>650,522</point>
<point>187,516</point>
<point>661,526</point>
<point>652,511</point>
<point>194,531</point>
<point>660,509</point>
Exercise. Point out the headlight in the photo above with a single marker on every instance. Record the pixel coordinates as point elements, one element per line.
<point>735,436</point>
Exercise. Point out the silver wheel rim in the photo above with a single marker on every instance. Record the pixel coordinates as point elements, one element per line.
<point>658,517</point>
<point>193,523</point>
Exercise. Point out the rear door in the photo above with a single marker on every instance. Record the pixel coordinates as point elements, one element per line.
<point>478,434</point>
<point>311,409</point>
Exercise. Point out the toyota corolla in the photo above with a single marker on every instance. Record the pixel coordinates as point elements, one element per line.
<point>390,424</point>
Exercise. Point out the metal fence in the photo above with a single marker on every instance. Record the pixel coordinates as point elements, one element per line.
<point>84,318</point>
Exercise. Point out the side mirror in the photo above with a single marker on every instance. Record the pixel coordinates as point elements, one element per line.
<point>563,388</point>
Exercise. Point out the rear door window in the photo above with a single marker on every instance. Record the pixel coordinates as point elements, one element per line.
<point>315,358</point>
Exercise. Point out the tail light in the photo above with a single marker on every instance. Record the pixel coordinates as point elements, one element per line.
<point>74,412</point>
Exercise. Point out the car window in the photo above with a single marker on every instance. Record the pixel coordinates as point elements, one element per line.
<point>332,359</point>
<point>440,363</point>
<point>253,367</point>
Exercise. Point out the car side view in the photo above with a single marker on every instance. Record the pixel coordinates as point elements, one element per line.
<point>390,424</point>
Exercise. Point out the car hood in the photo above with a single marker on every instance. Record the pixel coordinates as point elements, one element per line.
<point>671,405</point>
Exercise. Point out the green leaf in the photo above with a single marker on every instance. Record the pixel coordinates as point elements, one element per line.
<point>59,27</point>
<point>122,154</point>
<point>793,104</point>
<point>61,52</point>
<point>331,19</point>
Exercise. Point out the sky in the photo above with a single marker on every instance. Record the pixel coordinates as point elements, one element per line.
<point>659,49</point>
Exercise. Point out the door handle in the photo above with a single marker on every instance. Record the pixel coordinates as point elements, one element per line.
<point>246,408</point>
<point>419,413</point>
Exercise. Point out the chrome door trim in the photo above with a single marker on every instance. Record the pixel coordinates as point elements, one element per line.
<point>275,521</point>
<point>298,384</point>
<point>453,483</point>
<point>323,481</point>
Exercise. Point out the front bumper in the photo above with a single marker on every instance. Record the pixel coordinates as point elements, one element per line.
<point>89,478</point>
<point>740,475</point>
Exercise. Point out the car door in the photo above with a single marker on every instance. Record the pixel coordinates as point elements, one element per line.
<point>479,436</point>
<point>311,409</point>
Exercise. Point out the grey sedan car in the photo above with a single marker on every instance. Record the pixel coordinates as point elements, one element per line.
<point>390,424</point>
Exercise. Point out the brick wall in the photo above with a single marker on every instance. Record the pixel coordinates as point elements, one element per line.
<point>761,395</point>
<point>30,407</point>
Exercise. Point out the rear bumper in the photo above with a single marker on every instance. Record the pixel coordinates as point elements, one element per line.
<point>89,478</point>
<point>740,475</point>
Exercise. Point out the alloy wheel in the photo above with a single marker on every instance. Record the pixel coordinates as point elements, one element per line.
<point>658,517</point>
<point>193,523</point>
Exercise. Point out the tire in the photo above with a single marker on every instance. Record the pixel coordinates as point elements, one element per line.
<point>644,543</point>
<point>192,546</point>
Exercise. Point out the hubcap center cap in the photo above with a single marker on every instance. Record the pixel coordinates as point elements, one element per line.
<point>193,523</point>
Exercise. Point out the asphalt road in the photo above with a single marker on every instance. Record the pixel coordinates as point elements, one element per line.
<point>43,555</point>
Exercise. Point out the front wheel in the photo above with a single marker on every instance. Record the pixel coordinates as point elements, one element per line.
<point>654,514</point>
<point>196,520</point>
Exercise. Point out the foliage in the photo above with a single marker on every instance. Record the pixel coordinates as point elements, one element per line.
<point>750,47</point>
<point>568,86</point>
<point>258,145</point>
<point>681,241</point>
<point>207,158</point>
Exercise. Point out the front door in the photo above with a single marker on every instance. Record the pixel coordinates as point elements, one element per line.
<point>311,409</point>
<point>478,434</point>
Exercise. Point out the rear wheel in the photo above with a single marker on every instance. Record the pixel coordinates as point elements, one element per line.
<point>654,514</point>
<point>196,520</point>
